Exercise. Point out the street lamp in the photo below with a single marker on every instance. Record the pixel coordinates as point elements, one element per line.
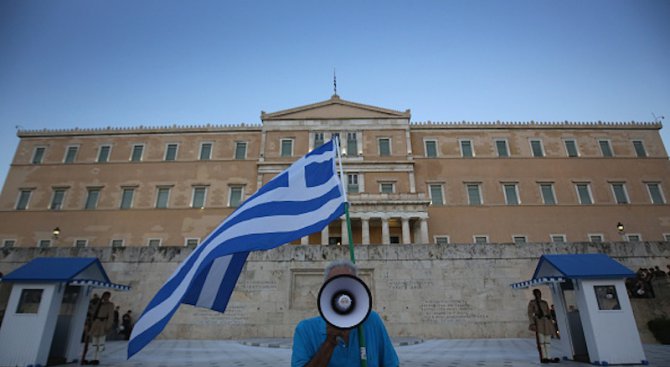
<point>56,232</point>
<point>619,227</point>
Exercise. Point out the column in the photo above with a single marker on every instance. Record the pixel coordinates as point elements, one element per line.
<point>345,233</point>
<point>304,240</point>
<point>405,231</point>
<point>324,235</point>
<point>386,238</point>
<point>365,230</point>
<point>424,230</point>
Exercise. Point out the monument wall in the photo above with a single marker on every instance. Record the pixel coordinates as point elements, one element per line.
<point>426,291</point>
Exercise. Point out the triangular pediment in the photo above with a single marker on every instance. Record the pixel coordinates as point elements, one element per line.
<point>335,108</point>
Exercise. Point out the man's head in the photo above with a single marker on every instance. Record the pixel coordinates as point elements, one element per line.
<point>339,267</point>
<point>105,296</point>
<point>537,293</point>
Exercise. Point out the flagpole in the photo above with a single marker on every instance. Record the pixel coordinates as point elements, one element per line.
<point>361,335</point>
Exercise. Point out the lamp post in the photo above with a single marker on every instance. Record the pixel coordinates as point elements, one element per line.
<point>56,233</point>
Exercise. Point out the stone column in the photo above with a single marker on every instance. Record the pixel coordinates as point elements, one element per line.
<point>345,233</point>
<point>304,240</point>
<point>424,230</point>
<point>405,231</point>
<point>324,235</point>
<point>386,238</point>
<point>365,230</point>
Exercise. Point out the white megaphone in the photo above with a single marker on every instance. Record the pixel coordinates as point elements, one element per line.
<point>344,301</point>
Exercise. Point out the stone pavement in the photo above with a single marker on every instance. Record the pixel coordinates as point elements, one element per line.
<point>277,352</point>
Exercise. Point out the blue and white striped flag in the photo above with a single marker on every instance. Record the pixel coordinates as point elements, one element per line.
<point>301,200</point>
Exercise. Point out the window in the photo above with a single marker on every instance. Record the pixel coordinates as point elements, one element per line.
<point>620,195</point>
<point>57,199</point>
<point>318,140</point>
<point>633,237</point>
<point>235,196</point>
<point>655,193</point>
<point>38,155</point>
<point>162,197</point>
<point>547,191</point>
<point>394,240</point>
<point>80,243</point>
<point>557,238</point>
<point>286,148</point>
<point>127,197</point>
<point>511,194</point>
<point>205,151</point>
<point>136,155</point>
<point>171,152</point>
<point>596,238</point>
<point>502,148</point>
<point>92,198</point>
<point>519,239</point>
<point>24,199</point>
<point>199,195</point>
<point>71,154</point>
<point>666,236</point>
<point>441,240</point>
<point>103,153</point>
<point>154,242</point>
<point>352,144</point>
<point>386,187</point>
<point>584,193</point>
<point>536,148</point>
<point>29,301</point>
<point>605,148</point>
<point>436,195</point>
<point>639,148</point>
<point>607,297</point>
<point>474,194</point>
<point>352,183</point>
<point>481,239</point>
<point>431,148</point>
<point>466,148</point>
<point>117,243</point>
<point>384,147</point>
<point>8,243</point>
<point>191,242</point>
<point>241,149</point>
<point>571,148</point>
<point>44,243</point>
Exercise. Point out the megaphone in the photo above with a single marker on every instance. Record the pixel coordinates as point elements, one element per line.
<point>344,301</point>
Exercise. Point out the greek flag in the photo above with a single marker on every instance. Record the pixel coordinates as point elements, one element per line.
<point>299,201</point>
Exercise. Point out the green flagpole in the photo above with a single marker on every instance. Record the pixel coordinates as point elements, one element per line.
<point>361,335</point>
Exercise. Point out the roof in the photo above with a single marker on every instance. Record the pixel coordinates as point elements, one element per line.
<point>71,270</point>
<point>556,268</point>
<point>335,108</point>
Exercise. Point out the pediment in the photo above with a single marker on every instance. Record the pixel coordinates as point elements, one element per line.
<point>335,108</point>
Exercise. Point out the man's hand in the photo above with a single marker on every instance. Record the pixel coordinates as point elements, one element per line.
<point>333,332</point>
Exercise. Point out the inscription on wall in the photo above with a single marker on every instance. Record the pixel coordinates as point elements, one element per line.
<point>256,285</point>
<point>234,315</point>
<point>449,311</point>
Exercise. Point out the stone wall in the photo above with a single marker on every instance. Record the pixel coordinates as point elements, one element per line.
<point>427,291</point>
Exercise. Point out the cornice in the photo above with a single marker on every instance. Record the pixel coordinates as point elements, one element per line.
<point>586,125</point>
<point>140,130</point>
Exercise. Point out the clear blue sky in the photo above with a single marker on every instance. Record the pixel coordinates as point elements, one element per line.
<point>89,63</point>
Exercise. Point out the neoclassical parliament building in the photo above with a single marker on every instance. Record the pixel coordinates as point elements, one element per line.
<point>408,182</point>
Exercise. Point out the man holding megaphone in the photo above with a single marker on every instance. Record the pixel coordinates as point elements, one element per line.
<point>332,339</point>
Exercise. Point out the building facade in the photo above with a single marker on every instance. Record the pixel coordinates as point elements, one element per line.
<point>408,182</point>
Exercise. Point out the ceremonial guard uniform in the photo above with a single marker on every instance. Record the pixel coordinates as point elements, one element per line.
<point>539,316</point>
<point>101,320</point>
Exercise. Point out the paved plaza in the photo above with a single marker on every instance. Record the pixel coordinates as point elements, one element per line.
<point>277,352</point>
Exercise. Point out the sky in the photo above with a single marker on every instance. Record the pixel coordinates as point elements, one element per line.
<point>93,63</point>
